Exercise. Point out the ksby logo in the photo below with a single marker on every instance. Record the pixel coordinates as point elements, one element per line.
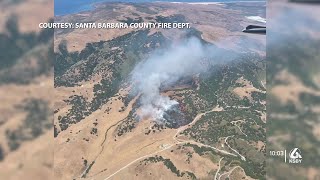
<point>295,156</point>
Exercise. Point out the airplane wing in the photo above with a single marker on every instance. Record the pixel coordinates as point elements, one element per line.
<point>255,29</point>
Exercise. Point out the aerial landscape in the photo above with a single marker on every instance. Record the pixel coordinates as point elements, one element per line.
<point>161,103</point>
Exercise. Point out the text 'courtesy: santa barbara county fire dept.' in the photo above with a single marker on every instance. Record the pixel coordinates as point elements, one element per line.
<point>102,25</point>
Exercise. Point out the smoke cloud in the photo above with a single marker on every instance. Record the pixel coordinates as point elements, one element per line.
<point>165,69</point>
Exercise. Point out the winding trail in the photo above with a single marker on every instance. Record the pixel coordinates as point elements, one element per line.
<point>102,148</point>
<point>229,172</point>
<point>242,157</point>
<point>178,141</point>
<point>215,176</point>
<point>182,128</point>
<point>102,145</point>
<point>235,124</point>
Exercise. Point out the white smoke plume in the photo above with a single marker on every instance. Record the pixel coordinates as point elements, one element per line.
<point>164,69</point>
